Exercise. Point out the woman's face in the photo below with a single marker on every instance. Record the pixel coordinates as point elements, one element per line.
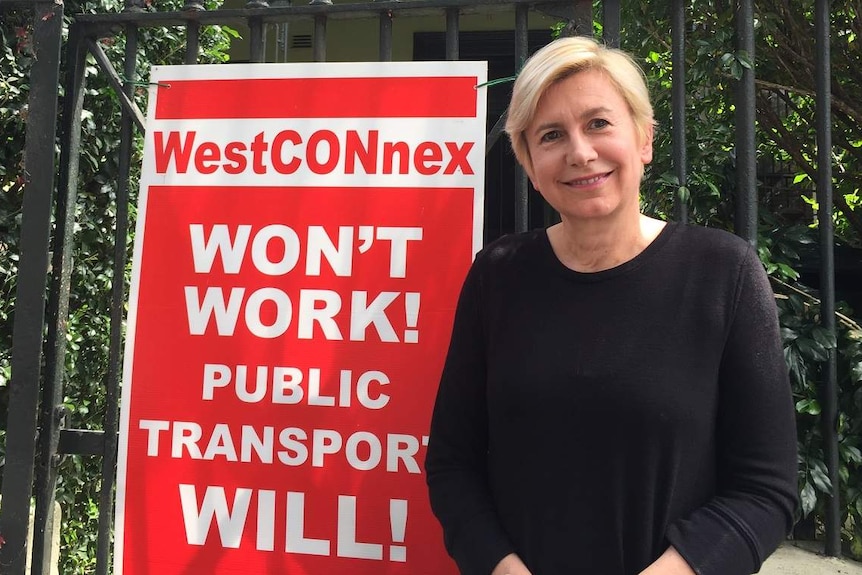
<point>586,153</point>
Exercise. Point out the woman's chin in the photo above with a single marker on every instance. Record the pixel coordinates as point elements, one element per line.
<point>596,209</point>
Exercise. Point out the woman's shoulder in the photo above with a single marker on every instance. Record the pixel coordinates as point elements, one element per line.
<point>706,242</point>
<point>511,249</point>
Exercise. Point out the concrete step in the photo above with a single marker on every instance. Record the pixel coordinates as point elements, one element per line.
<point>806,558</point>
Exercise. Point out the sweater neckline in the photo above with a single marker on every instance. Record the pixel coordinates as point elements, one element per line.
<point>551,259</point>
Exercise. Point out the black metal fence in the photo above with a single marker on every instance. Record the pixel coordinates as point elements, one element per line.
<point>36,435</point>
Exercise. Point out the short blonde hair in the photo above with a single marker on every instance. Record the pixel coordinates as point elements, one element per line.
<point>560,59</point>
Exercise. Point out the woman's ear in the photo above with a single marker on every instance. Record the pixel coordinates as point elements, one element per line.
<point>527,165</point>
<point>646,146</point>
<point>529,173</point>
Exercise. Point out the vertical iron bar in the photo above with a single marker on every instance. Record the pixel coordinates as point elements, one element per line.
<point>193,35</point>
<point>282,46</point>
<point>745,216</point>
<point>319,46</point>
<point>193,31</point>
<point>52,412</point>
<point>280,41</point>
<point>385,36</point>
<point>678,104</point>
<point>453,31</point>
<point>286,29</point>
<point>582,25</point>
<point>256,40</point>
<point>829,390</point>
<point>29,322</point>
<point>118,294</point>
<point>611,17</point>
<point>522,198</point>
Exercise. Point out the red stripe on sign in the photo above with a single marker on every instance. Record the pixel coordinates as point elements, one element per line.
<point>426,97</point>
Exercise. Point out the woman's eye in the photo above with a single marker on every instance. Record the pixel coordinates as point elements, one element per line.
<point>599,123</point>
<point>550,136</point>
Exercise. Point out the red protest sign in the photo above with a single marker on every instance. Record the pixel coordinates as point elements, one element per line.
<point>286,330</point>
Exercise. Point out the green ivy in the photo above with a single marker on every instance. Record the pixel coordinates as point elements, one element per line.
<point>88,323</point>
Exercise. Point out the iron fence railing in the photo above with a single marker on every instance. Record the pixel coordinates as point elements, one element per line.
<point>36,435</point>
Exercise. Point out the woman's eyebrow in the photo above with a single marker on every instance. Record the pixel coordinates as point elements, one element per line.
<point>596,111</point>
<point>545,126</point>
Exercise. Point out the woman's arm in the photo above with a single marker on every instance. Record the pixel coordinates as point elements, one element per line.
<point>511,565</point>
<point>756,494</point>
<point>670,563</point>
<point>456,458</point>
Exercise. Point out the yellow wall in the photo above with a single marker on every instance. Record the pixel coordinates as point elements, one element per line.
<point>356,40</point>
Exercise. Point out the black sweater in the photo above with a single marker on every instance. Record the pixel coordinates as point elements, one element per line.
<point>587,421</point>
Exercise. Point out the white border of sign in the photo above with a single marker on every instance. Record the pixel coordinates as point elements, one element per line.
<point>408,128</point>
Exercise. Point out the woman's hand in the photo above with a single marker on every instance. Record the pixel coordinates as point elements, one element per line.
<point>511,564</point>
<point>670,563</point>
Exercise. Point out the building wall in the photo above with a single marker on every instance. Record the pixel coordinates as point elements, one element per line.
<point>356,40</point>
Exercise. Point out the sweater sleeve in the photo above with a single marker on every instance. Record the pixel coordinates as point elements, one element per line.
<point>752,511</point>
<point>456,458</point>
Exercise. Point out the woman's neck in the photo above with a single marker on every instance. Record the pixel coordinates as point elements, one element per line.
<point>595,246</point>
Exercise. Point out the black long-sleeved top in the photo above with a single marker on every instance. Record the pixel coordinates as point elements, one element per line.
<point>587,421</point>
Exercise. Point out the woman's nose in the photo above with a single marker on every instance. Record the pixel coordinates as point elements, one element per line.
<point>580,151</point>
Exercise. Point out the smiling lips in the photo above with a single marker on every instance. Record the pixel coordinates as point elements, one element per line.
<point>588,181</point>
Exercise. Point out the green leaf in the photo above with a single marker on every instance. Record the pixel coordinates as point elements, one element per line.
<point>744,59</point>
<point>808,499</point>
<point>811,349</point>
<point>788,251</point>
<point>669,178</point>
<point>230,32</point>
<point>788,335</point>
<point>809,406</point>
<point>824,337</point>
<point>820,478</point>
<point>850,453</point>
<point>788,272</point>
<point>796,303</point>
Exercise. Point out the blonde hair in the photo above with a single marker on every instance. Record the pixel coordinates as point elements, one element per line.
<point>560,59</point>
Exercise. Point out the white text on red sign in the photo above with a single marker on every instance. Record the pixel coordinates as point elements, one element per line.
<point>310,308</point>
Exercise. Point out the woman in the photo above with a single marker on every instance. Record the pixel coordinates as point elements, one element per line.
<point>615,399</point>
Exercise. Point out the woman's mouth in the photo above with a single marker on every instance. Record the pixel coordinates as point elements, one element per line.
<point>588,181</point>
